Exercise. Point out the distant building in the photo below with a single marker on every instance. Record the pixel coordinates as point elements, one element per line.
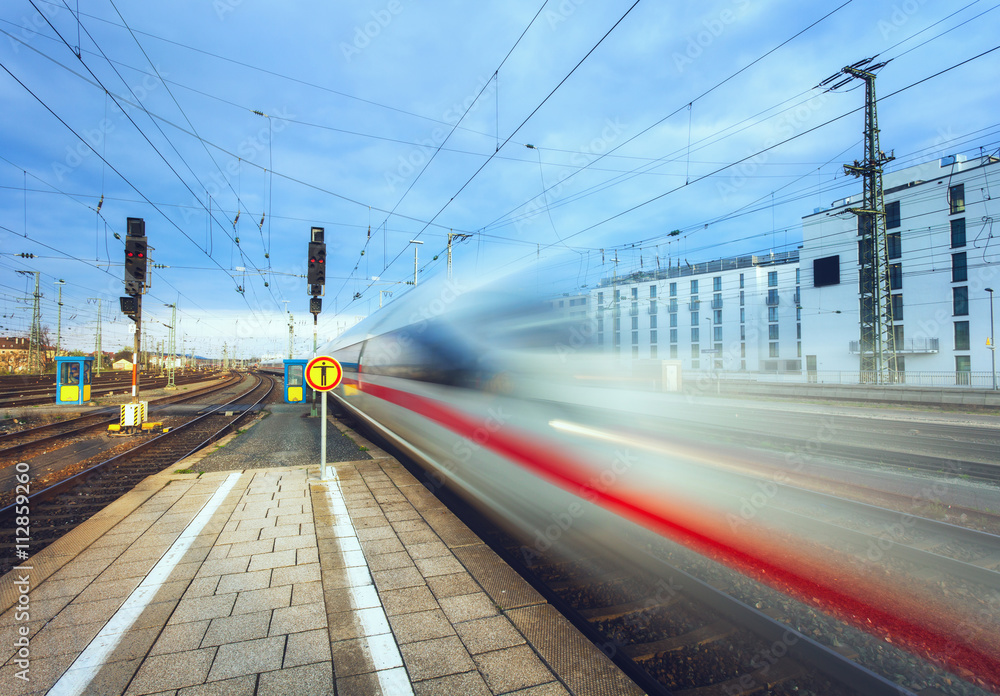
<point>737,313</point>
<point>943,252</point>
<point>570,306</point>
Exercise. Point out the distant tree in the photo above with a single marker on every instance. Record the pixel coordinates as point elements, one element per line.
<point>124,353</point>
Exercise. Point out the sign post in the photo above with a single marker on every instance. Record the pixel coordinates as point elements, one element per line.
<point>323,374</point>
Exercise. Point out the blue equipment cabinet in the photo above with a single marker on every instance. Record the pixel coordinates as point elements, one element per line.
<point>73,380</point>
<point>295,381</point>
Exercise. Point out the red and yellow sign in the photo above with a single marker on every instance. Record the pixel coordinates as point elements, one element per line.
<point>323,373</point>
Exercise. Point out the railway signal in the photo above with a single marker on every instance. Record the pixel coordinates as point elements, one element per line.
<point>317,262</point>
<point>136,256</point>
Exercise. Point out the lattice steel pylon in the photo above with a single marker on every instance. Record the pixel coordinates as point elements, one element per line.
<point>877,346</point>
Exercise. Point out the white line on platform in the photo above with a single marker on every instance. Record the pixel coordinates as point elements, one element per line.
<point>77,678</point>
<point>381,644</point>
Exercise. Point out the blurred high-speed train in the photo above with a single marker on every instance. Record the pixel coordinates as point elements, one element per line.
<point>505,401</point>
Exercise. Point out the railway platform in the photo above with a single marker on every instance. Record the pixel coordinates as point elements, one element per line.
<point>252,578</point>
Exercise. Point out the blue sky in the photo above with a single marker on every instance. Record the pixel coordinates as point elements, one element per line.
<point>392,120</point>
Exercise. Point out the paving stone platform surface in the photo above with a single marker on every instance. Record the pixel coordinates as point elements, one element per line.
<point>274,581</point>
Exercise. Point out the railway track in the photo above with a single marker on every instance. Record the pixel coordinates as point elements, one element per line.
<point>58,508</point>
<point>42,391</point>
<point>17,443</point>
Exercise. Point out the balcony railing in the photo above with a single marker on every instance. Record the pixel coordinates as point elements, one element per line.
<point>772,300</point>
<point>716,304</point>
<point>653,308</point>
<point>909,346</point>
<point>693,306</point>
<point>672,307</point>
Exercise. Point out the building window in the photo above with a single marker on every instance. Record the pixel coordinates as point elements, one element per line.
<point>695,353</point>
<point>635,338</point>
<point>600,325</point>
<point>956,199</point>
<point>772,297</point>
<point>961,335</point>
<point>960,300</point>
<point>959,270</point>
<point>897,335</point>
<point>694,319</point>
<point>963,366</point>
<point>772,314</point>
<point>635,351</point>
<point>717,316</point>
<point>897,308</point>
<point>743,333</point>
<point>694,287</point>
<point>895,244</point>
<point>742,298</point>
<point>652,291</point>
<point>634,310</point>
<point>957,233</point>
<point>717,284</point>
<point>652,335</point>
<point>743,315</point>
<point>635,323</point>
<point>892,215</point>
<point>743,352</point>
<point>717,334</point>
<point>673,351</point>
<point>772,279</point>
<point>652,352</point>
<point>673,336</point>
<point>635,293</point>
<point>798,313</point>
<point>741,281</point>
<point>673,320</point>
<point>652,322</point>
<point>896,276</point>
<point>798,332</point>
<point>694,334</point>
<point>673,289</point>
<point>652,309</point>
<point>618,324</point>
<point>773,350</point>
<point>772,332</point>
<point>600,300</point>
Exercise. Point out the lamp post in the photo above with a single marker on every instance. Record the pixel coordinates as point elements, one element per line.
<point>993,342</point>
<point>414,242</point>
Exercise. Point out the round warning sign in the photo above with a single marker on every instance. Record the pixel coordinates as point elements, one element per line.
<point>323,373</point>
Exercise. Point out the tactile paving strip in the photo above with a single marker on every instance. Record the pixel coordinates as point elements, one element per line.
<point>584,669</point>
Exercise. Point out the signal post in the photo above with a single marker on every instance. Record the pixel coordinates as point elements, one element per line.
<point>316,280</point>
<point>136,257</point>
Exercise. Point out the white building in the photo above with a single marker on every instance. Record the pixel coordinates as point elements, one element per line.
<point>944,252</point>
<point>734,314</point>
